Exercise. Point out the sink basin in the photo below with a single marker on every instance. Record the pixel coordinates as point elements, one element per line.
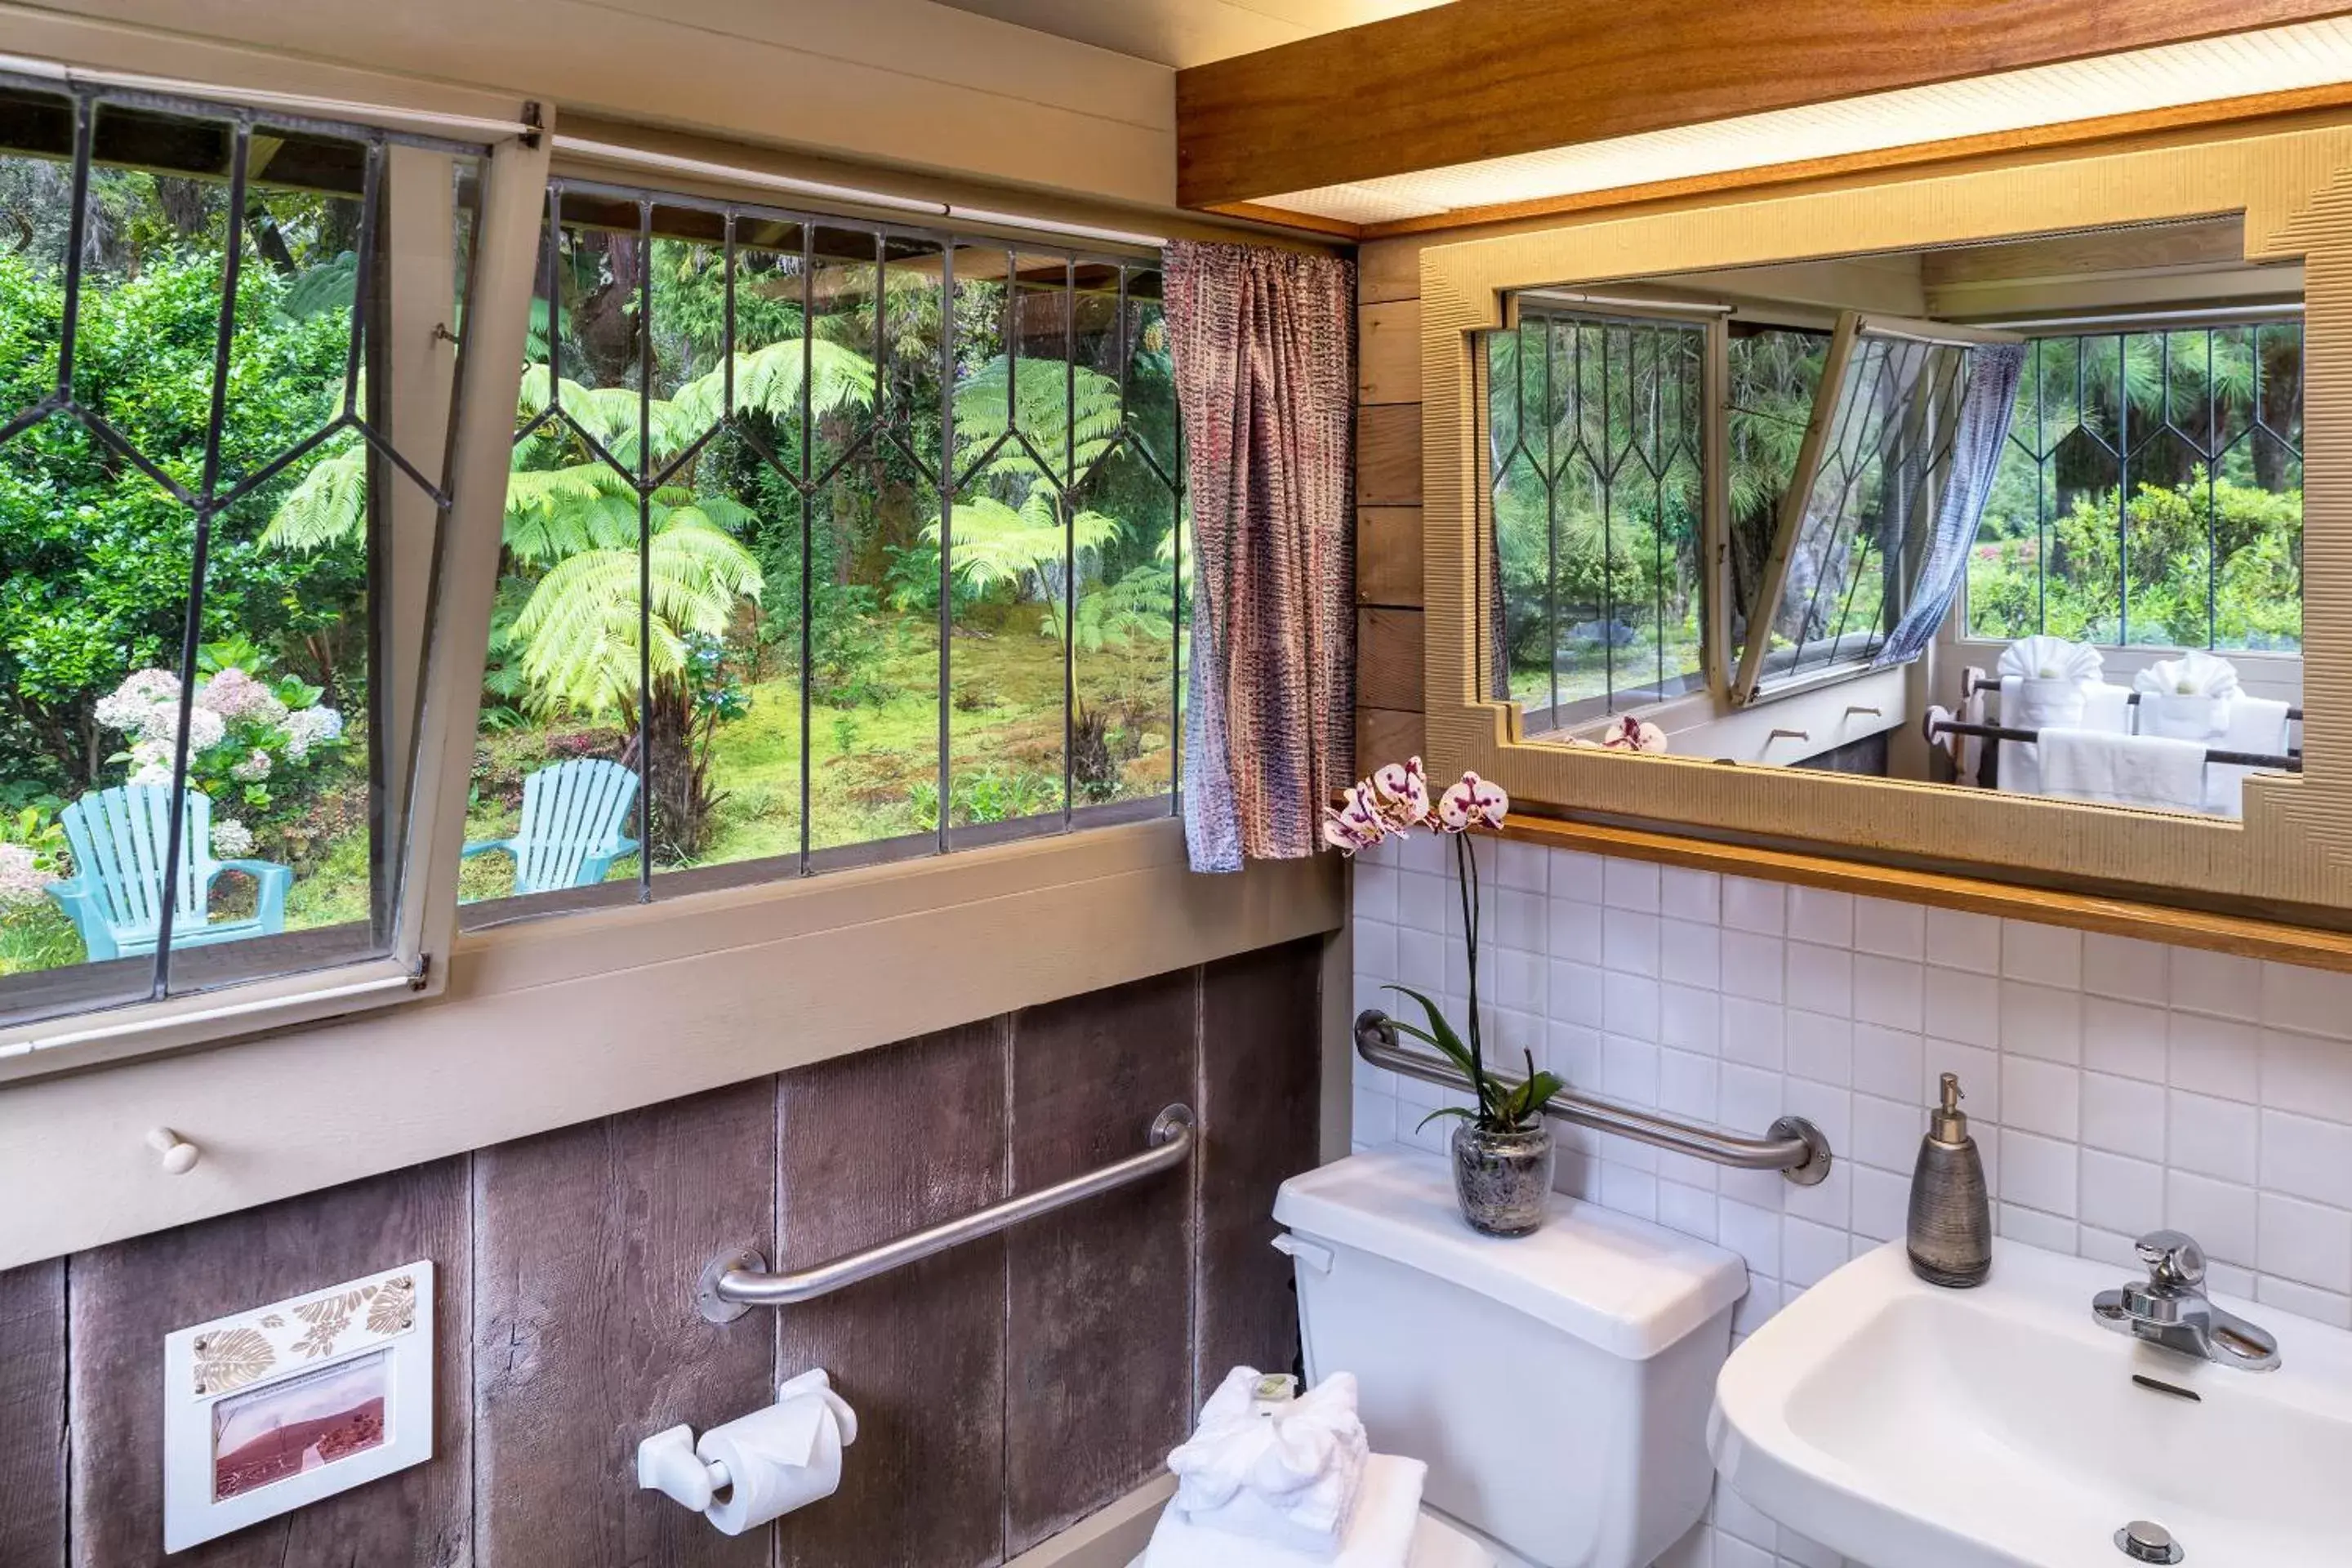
<point>1910,1427</point>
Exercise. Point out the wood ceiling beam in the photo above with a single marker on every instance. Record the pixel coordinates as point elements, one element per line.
<point>1489,78</point>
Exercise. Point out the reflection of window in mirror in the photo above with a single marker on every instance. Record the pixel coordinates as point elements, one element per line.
<point>1809,514</point>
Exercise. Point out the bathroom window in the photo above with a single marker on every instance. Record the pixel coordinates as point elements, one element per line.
<point>826,543</point>
<point>1595,428</point>
<point>2151,491</point>
<point>221,489</point>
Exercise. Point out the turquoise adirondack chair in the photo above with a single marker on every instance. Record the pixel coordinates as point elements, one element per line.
<point>122,840</point>
<point>572,813</point>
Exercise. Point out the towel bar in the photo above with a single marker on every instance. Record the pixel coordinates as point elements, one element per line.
<point>1794,1146</point>
<point>1938,722</point>
<point>734,1283</point>
<point>1992,688</point>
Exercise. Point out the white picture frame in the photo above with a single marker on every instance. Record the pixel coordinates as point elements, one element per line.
<point>270,1409</point>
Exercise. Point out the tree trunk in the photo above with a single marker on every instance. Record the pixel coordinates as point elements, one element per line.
<point>185,206</point>
<point>604,322</point>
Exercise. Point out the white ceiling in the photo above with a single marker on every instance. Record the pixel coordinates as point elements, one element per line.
<point>2308,54</point>
<point>1188,32</point>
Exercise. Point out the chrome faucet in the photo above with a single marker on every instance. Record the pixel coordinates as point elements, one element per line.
<point>2171,1308</point>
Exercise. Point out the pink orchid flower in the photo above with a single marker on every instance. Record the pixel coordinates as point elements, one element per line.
<point>1470,801</point>
<point>1357,825</point>
<point>1402,791</point>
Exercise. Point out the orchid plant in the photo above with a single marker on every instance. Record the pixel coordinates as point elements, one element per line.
<point>1390,803</point>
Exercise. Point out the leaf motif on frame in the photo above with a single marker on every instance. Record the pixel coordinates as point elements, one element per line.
<point>394,1307</point>
<point>231,1359</point>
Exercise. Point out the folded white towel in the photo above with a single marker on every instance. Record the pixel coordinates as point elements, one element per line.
<point>1379,1533</point>
<point>2038,704</point>
<point>2107,707</point>
<point>2256,724</point>
<point>2194,674</point>
<point>1284,1472</point>
<point>2124,770</point>
<point>2051,659</point>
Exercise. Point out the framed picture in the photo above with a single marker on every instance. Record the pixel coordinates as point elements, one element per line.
<point>270,1409</point>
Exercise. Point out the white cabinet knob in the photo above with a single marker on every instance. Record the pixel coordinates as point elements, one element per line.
<point>178,1155</point>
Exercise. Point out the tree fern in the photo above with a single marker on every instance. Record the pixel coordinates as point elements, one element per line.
<point>1046,392</point>
<point>995,544</point>
<point>329,507</point>
<point>554,513</point>
<point>768,381</point>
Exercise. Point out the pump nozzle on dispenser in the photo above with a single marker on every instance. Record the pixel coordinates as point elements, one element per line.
<point>1950,1237</point>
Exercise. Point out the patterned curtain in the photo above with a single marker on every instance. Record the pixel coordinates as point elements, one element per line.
<point>1979,439</point>
<point>1265,348</point>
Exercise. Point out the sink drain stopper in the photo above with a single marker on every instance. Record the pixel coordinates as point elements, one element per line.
<point>2144,1542</point>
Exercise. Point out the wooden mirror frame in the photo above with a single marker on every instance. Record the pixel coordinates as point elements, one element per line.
<point>2290,856</point>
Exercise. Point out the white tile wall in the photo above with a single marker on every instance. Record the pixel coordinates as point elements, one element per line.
<point>2114,1085</point>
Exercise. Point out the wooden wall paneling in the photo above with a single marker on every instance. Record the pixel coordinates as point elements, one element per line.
<point>1520,74</point>
<point>1388,657</point>
<point>124,1300</point>
<point>1387,555</point>
<point>590,1240</point>
<point>33,1416</point>
<point>1261,1088</point>
<point>1387,270</point>
<point>874,1146</point>
<point>1388,352</point>
<point>1386,736</point>
<point>1099,1298</point>
<point>1387,455</point>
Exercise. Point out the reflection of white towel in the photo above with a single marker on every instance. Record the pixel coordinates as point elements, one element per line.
<point>1380,1532</point>
<point>2256,724</point>
<point>2040,705</point>
<point>1968,750</point>
<point>2124,770</point>
<point>1283,1471</point>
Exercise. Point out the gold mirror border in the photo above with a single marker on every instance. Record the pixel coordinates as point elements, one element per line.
<point>2294,845</point>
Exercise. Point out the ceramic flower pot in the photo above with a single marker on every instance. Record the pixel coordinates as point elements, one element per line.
<point>1503,1179</point>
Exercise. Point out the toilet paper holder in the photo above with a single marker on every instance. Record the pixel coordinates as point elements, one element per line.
<point>667,1463</point>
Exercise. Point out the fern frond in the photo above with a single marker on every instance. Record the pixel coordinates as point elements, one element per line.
<point>329,507</point>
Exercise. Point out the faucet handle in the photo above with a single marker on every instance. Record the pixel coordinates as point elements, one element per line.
<point>2173,1258</point>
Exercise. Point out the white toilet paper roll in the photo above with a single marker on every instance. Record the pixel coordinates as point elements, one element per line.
<point>783,1458</point>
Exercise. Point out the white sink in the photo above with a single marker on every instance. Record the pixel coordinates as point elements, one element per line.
<point>1910,1427</point>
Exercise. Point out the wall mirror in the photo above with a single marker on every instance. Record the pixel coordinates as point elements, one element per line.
<point>1968,514</point>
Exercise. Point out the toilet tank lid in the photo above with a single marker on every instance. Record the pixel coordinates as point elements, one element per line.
<point>1621,1284</point>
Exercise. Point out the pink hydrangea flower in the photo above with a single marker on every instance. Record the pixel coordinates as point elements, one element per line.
<point>235,694</point>
<point>23,881</point>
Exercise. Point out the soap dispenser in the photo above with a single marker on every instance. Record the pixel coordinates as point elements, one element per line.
<point>1951,1216</point>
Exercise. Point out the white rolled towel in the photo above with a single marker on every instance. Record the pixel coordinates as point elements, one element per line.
<point>2047,658</point>
<point>2187,698</point>
<point>1379,1533</point>
<point>1283,1471</point>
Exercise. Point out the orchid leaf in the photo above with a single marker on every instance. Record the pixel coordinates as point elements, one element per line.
<point>1441,1034</point>
<point>1464,1112</point>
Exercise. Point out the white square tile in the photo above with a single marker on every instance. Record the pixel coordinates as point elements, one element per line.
<point>1886,1061</point>
<point>1513,919</point>
<point>1630,1005</point>
<point>1957,940</point>
<point>1979,1075</point>
<point>1821,979</point>
<point>1807,1553</point>
<point>2047,955</point>
<point>1573,993</point>
<point>1889,929</point>
<point>2307,1075</point>
<point>2124,966</point>
<point>1629,1069</point>
<point>1689,953</point>
<point>1809,1253</point>
<point>2215,1057</point>
<point>1576,874</point>
<point>1521,866</point>
<point>1690,895</point>
<point>1882,1204</point>
<point>2123,1114</point>
<point>1754,1033</point>
<point>2124,1039</point>
<point>2040,1097</point>
<point>2034,1228</point>
<point>1574,931</point>
<point>2320,1305</point>
<point>2305,1242</point>
<point>1690,1019</point>
<point>2212,1137</point>
<point>1750,1100</point>
<point>1690,1210</point>
<point>2040,1021</point>
<point>1375,944</point>
<point>1375,1118</point>
<point>1886,1132</point>
<point>1828,1202</point>
<point>1754,906</point>
<point>1817,914</point>
<point>1517,981</point>
<point>1730,1551</point>
<point>1573,1051</point>
<point>1631,885</point>
<point>2312,1001</point>
<point>1825,1105</point>
<point>2038,1173</point>
<point>2121,1193</point>
<point>1752,965</point>
<point>1820,1047</point>
<point>1961,1005</point>
<point>1686,1084</point>
<point>1629,1191</point>
<point>2219,1214</point>
<point>1889,991</point>
<point>2221,983</point>
<point>2306,1158</point>
<point>1753,1232</point>
<point>1630,942</point>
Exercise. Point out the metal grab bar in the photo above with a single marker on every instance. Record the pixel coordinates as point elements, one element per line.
<point>1794,1147</point>
<point>734,1283</point>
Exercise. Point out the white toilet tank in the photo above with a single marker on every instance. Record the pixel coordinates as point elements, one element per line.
<point>1557,1383</point>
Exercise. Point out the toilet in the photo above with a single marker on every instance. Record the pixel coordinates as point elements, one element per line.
<point>1557,1384</point>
